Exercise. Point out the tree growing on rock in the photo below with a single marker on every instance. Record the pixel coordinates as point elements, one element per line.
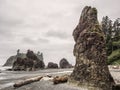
<point>107,29</point>
<point>30,62</point>
<point>111,30</point>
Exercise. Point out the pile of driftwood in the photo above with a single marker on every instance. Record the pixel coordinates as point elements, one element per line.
<point>56,80</point>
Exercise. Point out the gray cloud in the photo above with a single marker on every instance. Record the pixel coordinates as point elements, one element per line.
<point>10,22</point>
<point>28,40</point>
<point>35,41</point>
<point>3,32</point>
<point>57,34</point>
<point>42,40</point>
<point>45,25</point>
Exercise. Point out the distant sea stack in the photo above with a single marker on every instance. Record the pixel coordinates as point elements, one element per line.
<point>91,71</point>
<point>52,65</point>
<point>31,62</point>
<point>64,63</point>
<point>19,55</point>
<point>11,59</point>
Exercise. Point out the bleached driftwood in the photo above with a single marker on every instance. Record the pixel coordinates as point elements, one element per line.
<point>27,81</point>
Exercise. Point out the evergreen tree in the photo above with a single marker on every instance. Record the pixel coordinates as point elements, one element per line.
<point>107,29</point>
<point>112,35</point>
<point>116,28</point>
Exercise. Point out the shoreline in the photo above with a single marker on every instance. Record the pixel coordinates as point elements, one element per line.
<point>15,76</point>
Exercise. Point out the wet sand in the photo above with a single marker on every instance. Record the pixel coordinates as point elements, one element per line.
<point>8,78</point>
<point>44,85</point>
<point>7,84</point>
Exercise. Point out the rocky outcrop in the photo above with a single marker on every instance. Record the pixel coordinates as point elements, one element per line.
<point>64,63</point>
<point>91,71</point>
<point>10,61</point>
<point>30,62</point>
<point>13,58</point>
<point>52,65</point>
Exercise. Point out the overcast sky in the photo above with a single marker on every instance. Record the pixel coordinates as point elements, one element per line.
<point>45,25</point>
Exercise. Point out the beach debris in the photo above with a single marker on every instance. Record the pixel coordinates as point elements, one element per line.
<point>46,78</point>
<point>48,75</point>
<point>27,81</point>
<point>115,67</point>
<point>60,79</point>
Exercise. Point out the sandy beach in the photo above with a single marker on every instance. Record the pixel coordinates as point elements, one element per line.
<point>8,78</point>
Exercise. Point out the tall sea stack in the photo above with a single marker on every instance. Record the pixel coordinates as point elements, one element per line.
<point>91,71</point>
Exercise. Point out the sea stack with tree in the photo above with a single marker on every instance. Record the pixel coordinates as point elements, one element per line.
<point>30,62</point>
<point>91,70</point>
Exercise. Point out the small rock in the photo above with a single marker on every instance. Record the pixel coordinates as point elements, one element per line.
<point>52,65</point>
<point>64,63</point>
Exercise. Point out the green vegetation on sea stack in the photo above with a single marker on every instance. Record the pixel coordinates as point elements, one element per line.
<point>112,34</point>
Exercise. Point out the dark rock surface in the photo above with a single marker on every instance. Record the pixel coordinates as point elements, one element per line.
<point>30,62</point>
<point>13,58</point>
<point>64,63</point>
<point>10,61</point>
<point>52,65</point>
<point>91,69</point>
<point>30,54</point>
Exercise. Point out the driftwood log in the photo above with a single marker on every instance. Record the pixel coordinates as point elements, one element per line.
<point>60,79</point>
<point>27,81</point>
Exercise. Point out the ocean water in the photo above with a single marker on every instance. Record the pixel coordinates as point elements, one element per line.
<point>8,78</point>
<point>4,76</point>
<point>4,68</point>
<point>3,73</point>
